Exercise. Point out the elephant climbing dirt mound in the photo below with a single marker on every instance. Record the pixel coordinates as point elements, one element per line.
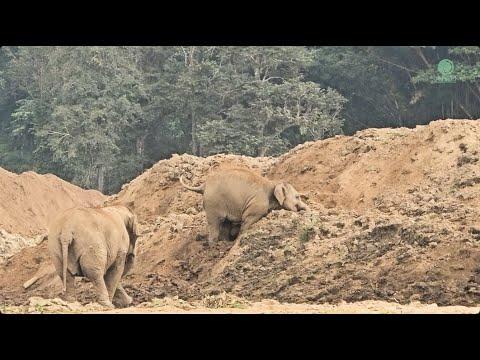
<point>98,243</point>
<point>235,198</point>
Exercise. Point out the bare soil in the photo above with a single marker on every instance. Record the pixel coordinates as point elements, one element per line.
<point>229,304</point>
<point>393,227</point>
<point>29,201</point>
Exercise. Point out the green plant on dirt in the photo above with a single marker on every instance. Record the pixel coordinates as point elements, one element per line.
<point>39,308</point>
<point>323,230</point>
<point>306,233</point>
<point>238,305</point>
<point>308,229</point>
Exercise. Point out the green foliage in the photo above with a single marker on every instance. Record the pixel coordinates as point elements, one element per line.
<point>98,116</point>
<point>79,111</point>
<point>466,69</point>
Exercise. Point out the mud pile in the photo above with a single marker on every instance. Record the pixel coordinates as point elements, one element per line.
<point>13,243</point>
<point>394,217</point>
<point>157,192</point>
<point>29,200</point>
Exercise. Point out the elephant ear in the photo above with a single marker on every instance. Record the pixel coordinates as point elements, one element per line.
<point>134,226</point>
<point>132,231</point>
<point>279,193</point>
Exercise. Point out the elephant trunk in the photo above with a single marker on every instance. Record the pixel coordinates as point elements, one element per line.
<point>65,242</point>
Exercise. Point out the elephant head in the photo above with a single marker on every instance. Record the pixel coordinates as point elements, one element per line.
<point>131,225</point>
<point>130,220</point>
<point>289,198</point>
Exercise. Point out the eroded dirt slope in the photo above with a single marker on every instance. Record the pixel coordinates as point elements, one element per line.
<point>395,217</point>
<point>29,200</point>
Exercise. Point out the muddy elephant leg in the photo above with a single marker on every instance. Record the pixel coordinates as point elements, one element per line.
<point>114,274</point>
<point>92,269</point>
<point>249,221</point>
<point>214,225</point>
<point>121,298</point>
<point>234,231</point>
<point>101,289</point>
<point>225,228</point>
<point>251,216</point>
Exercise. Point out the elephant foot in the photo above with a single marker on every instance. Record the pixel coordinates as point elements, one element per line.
<point>106,304</point>
<point>123,301</point>
<point>69,298</point>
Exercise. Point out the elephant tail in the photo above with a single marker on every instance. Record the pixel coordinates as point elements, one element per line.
<point>65,242</point>
<point>199,189</point>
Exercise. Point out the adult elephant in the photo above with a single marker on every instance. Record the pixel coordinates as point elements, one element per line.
<point>98,243</point>
<point>236,198</point>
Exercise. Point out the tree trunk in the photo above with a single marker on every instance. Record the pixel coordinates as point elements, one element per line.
<point>465,111</point>
<point>141,145</point>
<point>262,151</point>
<point>421,55</point>
<point>101,178</point>
<point>194,134</point>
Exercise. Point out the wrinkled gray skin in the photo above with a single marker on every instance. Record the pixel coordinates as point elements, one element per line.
<point>98,243</point>
<point>236,198</point>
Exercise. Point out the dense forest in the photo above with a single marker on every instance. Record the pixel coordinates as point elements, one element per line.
<point>98,116</point>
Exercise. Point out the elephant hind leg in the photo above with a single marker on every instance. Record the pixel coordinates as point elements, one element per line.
<point>114,274</point>
<point>214,227</point>
<point>95,275</point>
<point>121,298</point>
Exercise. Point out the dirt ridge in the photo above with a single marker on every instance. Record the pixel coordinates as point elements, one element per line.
<point>394,217</point>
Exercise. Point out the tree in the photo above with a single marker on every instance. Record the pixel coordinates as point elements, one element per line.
<point>255,95</point>
<point>79,109</point>
<point>457,92</point>
<point>98,116</point>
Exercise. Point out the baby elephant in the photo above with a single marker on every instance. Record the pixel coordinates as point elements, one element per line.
<point>235,198</point>
<point>98,243</point>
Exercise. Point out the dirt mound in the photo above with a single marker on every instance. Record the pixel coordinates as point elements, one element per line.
<point>29,200</point>
<point>357,172</point>
<point>158,190</point>
<point>394,217</point>
<point>13,243</point>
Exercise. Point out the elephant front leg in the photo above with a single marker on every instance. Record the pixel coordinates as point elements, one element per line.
<point>234,231</point>
<point>248,222</point>
<point>251,216</point>
<point>121,298</point>
<point>225,229</point>
<point>114,274</point>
